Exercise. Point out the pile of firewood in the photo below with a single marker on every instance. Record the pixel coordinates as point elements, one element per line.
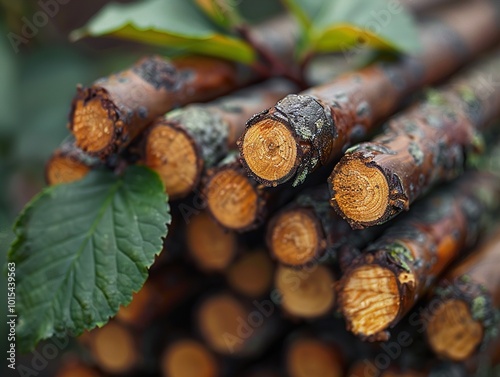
<point>289,252</point>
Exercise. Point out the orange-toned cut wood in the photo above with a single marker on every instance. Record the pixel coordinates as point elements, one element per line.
<point>114,348</point>
<point>232,198</point>
<point>270,150</point>
<point>452,332</point>
<point>211,247</point>
<point>252,274</point>
<point>295,237</point>
<point>220,318</point>
<point>382,284</point>
<point>92,128</point>
<point>65,169</point>
<point>307,293</point>
<point>371,299</point>
<point>361,192</point>
<point>189,358</point>
<point>179,169</point>
<point>302,132</point>
<point>465,321</point>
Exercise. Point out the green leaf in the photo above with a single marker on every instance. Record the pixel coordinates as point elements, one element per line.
<point>335,25</point>
<point>82,249</point>
<point>301,12</point>
<point>178,24</point>
<point>222,12</point>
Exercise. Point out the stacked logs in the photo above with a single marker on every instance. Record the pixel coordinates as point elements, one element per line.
<point>285,256</point>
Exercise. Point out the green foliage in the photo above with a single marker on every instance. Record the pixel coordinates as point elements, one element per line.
<point>53,69</point>
<point>178,24</point>
<point>335,25</point>
<point>222,12</point>
<point>82,249</point>
<point>194,26</point>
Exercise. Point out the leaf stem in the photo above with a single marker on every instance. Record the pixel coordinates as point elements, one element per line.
<point>270,64</point>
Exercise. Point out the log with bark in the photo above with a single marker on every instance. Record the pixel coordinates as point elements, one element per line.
<point>381,285</point>
<point>302,132</point>
<point>309,231</point>
<point>464,311</point>
<point>236,200</point>
<point>186,141</point>
<point>68,163</point>
<point>109,114</point>
<point>425,145</point>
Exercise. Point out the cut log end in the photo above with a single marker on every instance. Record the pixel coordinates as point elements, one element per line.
<point>114,349</point>
<point>361,193</point>
<point>370,299</point>
<point>211,246</point>
<point>219,318</point>
<point>312,358</point>
<point>232,199</point>
<point>295,237</point>
<point>186,358</point>
<point>306,294</point>
<point>93,126</point>
<point>452,332</point>
<point>64,169</point>
<point>269,149</point>
<point>242,274</point>
<point>172,154</point>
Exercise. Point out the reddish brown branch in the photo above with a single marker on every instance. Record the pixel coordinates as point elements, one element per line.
<point>382,285</point>
<point>302,132</point>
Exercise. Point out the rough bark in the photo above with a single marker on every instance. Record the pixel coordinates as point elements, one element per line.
<point>308,230</point>
<point>237,201</point>
<point>188,140</point>
<point>465,310</point>
<point>106,116</point>
<point>302,132</point>
<point>382,284</point>
<point>425,145</point>
<point>68,164</point>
